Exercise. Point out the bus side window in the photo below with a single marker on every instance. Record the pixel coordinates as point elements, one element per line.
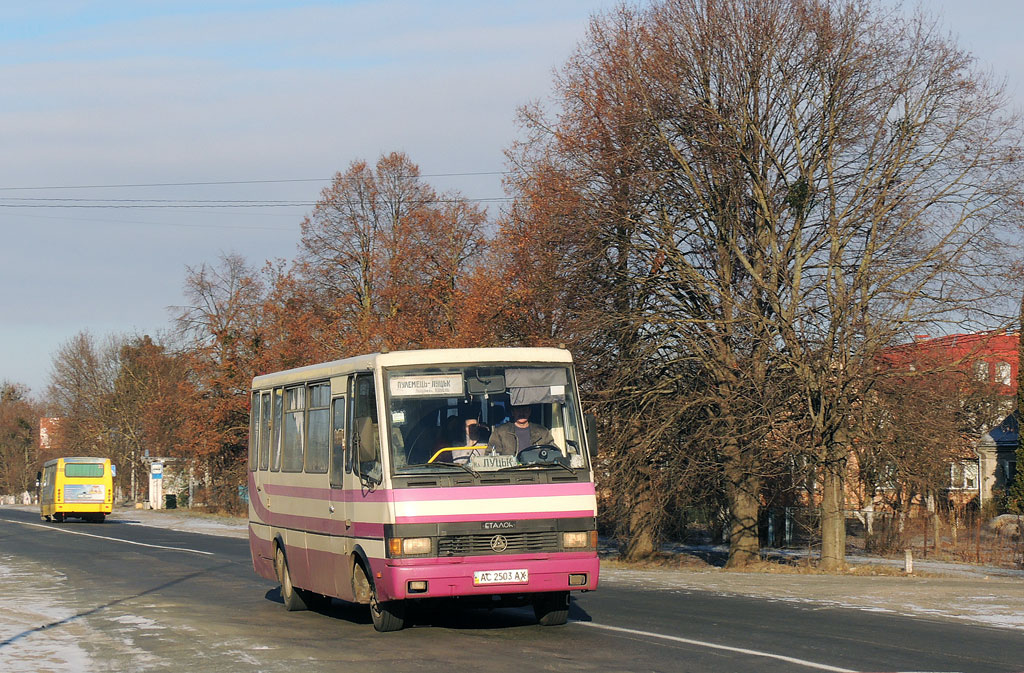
<point>254,431</point>
<point>275,430</point>
<point>293,443</point>
<point>265,431</point>
<point>339,465</point>
<point>318,445</point>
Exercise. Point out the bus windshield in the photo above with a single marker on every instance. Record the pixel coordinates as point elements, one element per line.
<point>483,418</point>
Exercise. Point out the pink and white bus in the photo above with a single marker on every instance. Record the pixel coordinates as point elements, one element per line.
<point>419,475</point>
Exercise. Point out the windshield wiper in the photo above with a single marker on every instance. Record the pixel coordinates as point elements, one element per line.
<point>467,468</point>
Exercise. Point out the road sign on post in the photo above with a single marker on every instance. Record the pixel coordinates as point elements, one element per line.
<point>156,485</point>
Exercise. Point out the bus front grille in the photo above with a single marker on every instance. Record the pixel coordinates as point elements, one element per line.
<point>503,543</point>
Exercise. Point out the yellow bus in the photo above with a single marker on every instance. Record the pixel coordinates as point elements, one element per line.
<point>76,487</point>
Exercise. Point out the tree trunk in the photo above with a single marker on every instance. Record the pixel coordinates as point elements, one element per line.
<point>744,504</point>
<point>833,518</point>
<point>644,516</point>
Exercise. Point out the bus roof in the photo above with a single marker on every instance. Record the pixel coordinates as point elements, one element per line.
<point>436,356</point>
<point>76,459</point>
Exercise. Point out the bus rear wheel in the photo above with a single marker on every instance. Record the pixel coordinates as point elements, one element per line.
<point>289,594</point>
<point>552,609</point>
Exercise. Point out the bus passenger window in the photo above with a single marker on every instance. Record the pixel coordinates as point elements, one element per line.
<point>275,431</point>
<point>338,463</point>
<point>264,431</point>
<point>294,429</point>
<point>318,445</point>
<point>254,430</point>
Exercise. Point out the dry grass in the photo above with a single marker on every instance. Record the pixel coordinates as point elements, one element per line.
<point>658,560</point>
<point>768,567</point>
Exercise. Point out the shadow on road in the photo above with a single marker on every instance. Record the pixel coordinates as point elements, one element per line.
<point>87,613</point>
<point>446,613</point>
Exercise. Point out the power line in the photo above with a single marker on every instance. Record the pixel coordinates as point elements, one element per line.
<point>18,202</point>
<point>239,182</point>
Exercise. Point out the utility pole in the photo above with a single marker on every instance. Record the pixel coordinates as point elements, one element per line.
<point>1015,489</point>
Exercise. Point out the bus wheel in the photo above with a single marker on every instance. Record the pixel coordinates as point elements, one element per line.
<point>387,616</point>
<point>289,594</point>
<point>59,518</point>
<point>552,609</point>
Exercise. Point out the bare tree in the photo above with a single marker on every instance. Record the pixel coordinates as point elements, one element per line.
<point>81,384</point>
<point>388,257</point>
<point>19,438</point>
<point>789,186</point>
<point>222,329</point>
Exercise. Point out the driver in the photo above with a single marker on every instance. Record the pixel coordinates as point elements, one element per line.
<point>511,438</point>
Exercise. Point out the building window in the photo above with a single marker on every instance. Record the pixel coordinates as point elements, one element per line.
<point>963,475</point>
<point>1003,373</point>
<point>887,477</point>
<point>1008,470</point>
<point>981,370</point>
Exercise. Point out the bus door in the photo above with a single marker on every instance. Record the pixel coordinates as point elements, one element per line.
<point>339,505</point>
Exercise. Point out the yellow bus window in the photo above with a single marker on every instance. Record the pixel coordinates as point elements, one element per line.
<point>83,470</point>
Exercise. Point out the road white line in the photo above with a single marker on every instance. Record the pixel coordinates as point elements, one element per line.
<point>113,539</point>
<point>715,646</point>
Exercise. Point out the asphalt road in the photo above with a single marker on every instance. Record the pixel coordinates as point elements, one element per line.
<point>121,597</point>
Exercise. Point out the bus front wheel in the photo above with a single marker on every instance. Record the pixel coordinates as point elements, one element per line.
<point>386,615</point>
<point>289,594</point>
<point>552,609</point>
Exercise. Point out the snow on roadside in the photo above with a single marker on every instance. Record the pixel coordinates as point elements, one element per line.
<point>182,521</point>
<point>27,645</point>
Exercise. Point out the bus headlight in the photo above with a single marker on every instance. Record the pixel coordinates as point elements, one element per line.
<point>579,539</point>
<point>409,546</point>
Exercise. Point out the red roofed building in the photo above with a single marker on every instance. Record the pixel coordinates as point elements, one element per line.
<point>987,362</point>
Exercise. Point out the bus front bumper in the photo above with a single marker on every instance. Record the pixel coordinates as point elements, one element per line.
<point>398,579</point>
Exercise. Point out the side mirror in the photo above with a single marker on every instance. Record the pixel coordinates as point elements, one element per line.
<point>113,470</point>
<point>364,436</point>
<point>39,476</point>
<point>590,423</point>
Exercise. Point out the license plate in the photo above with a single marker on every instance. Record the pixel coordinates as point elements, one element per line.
<point>501,577</point>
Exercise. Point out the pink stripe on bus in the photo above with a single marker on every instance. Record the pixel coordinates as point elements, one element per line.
<point>482,492</point>
<point>426,494</point>
<point>325,494</point>
<point>312,524</point>
<point>503,516</point>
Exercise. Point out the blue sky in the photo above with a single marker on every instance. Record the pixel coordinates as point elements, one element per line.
<point>142,93</point>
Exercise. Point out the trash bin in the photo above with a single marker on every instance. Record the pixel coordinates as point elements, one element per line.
<point>171,501</point>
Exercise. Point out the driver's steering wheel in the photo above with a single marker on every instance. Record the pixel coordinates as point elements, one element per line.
<point>545,454</point>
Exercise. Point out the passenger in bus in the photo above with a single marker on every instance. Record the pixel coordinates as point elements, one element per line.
<point>475,433</point>
<point>520,433</point>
